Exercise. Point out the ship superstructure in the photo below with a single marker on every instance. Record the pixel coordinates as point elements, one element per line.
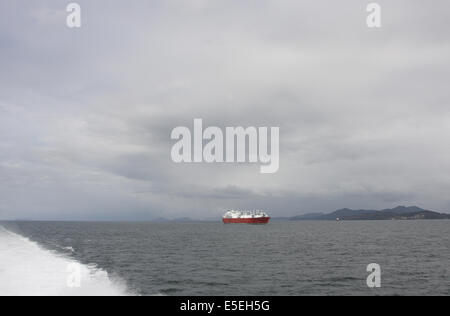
<point>246,217</point>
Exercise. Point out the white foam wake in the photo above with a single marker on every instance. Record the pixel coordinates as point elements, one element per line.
<point>27,269</point>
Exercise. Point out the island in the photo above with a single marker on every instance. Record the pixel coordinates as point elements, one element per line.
<point>346,214</point>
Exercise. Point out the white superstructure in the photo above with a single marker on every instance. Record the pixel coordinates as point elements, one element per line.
<point>245,214</point>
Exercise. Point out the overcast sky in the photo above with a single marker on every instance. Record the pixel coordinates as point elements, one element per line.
<point>86,114</point>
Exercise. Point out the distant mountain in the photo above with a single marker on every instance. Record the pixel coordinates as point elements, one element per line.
<point>181,219</point>
<point>310,216</point>
<point>398,213</point>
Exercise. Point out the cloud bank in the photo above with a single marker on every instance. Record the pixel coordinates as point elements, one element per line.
<point>86,114</point>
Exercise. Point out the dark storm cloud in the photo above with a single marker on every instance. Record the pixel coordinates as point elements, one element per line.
<point>86,115</point>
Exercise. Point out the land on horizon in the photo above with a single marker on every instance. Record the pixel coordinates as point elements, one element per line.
<point>345,214</point>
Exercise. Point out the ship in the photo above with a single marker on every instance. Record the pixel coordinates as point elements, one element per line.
<point>246,217</point>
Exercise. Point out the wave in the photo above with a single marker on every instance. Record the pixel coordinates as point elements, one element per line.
<point>26,269</point>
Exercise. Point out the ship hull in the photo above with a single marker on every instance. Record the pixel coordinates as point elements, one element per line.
<point>259,220</point>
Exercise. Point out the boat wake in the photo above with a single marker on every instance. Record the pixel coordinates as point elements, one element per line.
<point>26,269</point>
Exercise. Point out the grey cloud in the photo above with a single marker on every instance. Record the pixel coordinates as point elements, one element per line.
<point>86,115</point>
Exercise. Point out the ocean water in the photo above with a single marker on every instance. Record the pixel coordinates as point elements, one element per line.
<point>282,258</point>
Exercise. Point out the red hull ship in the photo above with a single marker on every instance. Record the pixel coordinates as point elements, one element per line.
<point>249,217</point>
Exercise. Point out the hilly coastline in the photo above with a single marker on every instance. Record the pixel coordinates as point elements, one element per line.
<point>398,213</point>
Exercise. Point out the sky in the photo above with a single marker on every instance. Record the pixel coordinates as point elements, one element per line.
<point>86,114</point>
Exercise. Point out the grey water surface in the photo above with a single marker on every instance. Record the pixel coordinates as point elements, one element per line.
<point>282,258</point>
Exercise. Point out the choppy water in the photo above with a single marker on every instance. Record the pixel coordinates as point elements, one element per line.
<point>285,258</point>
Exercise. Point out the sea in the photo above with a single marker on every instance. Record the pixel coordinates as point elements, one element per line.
<point>209,259</point>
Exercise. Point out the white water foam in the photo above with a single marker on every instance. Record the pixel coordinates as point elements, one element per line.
<point>26,269</point>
